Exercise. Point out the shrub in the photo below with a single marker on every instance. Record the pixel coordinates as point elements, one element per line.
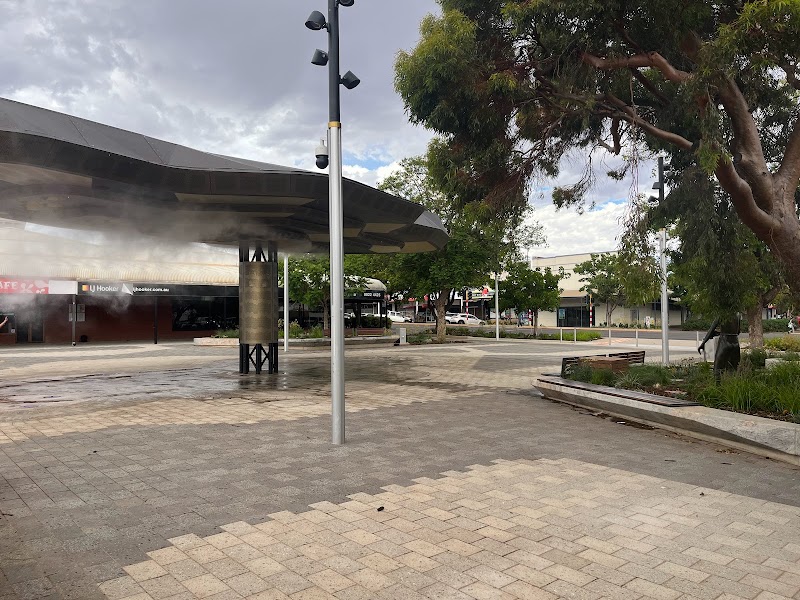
<point>787,342</point>
<point>775,390</point>
<point>580,372</point>
<point>226,333</point>
<point>645,376</point>
<point>696,324</point>
<point>421,337</point>
<point>605,377</point>
<point>316,332</point>
<point>753,359</point>
<point>295,331</point>
<point>583,336</point>
<point>370,321</point>
<point>776,325</point>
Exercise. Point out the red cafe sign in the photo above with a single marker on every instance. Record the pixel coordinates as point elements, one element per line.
<point>23,286</point>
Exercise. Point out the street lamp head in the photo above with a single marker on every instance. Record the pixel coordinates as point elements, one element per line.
<point>657,185</point>
<point>316,21</point>
<point>347,2</point>
<point>350,81</point>
<point>320,58</point>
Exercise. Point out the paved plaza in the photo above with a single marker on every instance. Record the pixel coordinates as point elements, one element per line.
<point>135,471</point>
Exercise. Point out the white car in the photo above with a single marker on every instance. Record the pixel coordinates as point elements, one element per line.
<point>463,319</point>
<point>397,317</point>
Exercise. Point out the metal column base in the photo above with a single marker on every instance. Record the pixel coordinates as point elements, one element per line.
<point>258,357</point>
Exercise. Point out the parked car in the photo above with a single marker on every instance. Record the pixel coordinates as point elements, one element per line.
<point>397,317</point>
<point>464,319</point>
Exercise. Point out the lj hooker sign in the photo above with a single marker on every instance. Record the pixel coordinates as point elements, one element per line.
<point>23,286</point>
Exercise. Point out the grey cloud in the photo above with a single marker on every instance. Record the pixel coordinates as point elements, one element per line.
<point>230,77</point>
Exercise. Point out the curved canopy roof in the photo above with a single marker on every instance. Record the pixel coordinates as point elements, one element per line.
<point>63,171</point>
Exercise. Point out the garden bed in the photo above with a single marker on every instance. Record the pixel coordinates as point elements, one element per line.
<point>767,437</point>
<point>772,393</point>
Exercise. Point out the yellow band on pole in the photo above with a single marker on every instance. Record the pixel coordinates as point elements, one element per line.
<point>334,125</point>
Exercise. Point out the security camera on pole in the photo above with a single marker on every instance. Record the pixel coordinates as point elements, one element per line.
<point>315,22</point>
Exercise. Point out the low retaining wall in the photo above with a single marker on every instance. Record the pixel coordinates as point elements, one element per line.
<point>766,437</point>
<point>302,343</point>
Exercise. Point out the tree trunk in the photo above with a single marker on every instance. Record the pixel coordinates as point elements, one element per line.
<point>755,326</point>
<point>535,322</point>
<point>441,308</point>
<point>326,316</point>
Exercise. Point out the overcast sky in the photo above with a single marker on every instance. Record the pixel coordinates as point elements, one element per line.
<point>234,77</point>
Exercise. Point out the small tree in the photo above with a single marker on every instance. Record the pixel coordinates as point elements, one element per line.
<point>465,261</point>
<point>529,289</point>
<point>602,280</point>
<point>309,283</point>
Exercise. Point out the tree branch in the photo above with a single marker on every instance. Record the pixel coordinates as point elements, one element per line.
<point>752,164</point>
<point>791,74</point>
<point>788,174</point>
<point>650,59</point>
<point>648,85</point>
<point>629,115</point>
<point>761,222</point>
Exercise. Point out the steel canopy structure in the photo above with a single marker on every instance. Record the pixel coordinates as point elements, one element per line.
<point>59,170</point>
<point>62,171</point>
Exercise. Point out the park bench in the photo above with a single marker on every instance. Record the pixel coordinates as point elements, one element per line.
<point>630,358</point>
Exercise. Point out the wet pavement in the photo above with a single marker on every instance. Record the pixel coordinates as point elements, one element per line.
<point>158,472</point>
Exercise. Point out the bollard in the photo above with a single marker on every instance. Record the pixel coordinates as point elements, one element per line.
<point>609,336</point>
<point>637,337</point>
<point>575,335</point>
<point>403,338</point>
<point>561,333</point>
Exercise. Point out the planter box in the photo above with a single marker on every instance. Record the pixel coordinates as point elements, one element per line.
<point>766,437</point>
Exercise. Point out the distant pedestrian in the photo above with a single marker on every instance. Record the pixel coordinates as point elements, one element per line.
<point>791,325</point>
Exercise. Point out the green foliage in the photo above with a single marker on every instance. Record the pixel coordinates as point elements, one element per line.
<point>580,372</point>
<point>295,330</point>
<point>316,332</point>
<point>639,377</point>
<point>530,289</point>
<point>776,325</point>
<point>511,87</point>
<point>753,359</point>
<point>789,343</point>
<point>752,389</point>
<point>469,257</point>
<point>696,324</point>
<point>602,279</point>
<point>309,281</point>
<point>775,390</point>
<point>366,321</point>
<point>226,333</point>
<point>603,377</point>
<point>583,336</point>
<point>723,268</point>
<point>419,338</point>
<point>569,336</point>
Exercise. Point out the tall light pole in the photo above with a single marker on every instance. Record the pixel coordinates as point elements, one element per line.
<point>659,185</point>
<point>285,302</point>
<point>315,22</point>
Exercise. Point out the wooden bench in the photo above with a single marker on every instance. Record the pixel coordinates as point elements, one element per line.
<point>631,358</point>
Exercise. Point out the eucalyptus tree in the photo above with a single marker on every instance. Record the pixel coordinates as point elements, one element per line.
<point>511,86</point>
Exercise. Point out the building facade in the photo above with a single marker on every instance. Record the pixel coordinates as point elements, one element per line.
<point>578,308</point>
